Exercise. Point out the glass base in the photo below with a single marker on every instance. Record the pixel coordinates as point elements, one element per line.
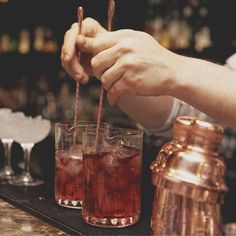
<point>110,222</point>
<point>6,173</point>
<point>25,180</point>
<point>74,204</point>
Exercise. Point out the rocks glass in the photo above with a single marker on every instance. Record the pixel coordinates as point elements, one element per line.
<point>68,171</point>
<point>112,177</point>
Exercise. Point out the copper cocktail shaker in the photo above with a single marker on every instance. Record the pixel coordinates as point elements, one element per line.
<point>189,177</point>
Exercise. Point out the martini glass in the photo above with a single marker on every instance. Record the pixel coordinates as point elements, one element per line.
<point>6,135</point>
<point>29,132</point>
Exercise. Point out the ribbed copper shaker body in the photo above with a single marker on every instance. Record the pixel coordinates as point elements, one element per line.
<point>189,177</point>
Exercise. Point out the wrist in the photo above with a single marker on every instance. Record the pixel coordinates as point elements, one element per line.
<point>183,72</point>
<point>173,77</point>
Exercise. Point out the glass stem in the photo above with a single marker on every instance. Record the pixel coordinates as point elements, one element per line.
<point>7,143</point>
<point>27,151</point>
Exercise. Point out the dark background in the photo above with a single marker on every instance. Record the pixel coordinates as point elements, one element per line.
<point>59,15</point>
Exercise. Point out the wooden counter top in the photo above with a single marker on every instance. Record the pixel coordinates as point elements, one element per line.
<point>14,222</point>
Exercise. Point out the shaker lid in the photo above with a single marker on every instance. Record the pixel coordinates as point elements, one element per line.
<point>187,125</point>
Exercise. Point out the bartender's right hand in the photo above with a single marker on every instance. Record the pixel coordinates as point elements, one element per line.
<point>81,69</point>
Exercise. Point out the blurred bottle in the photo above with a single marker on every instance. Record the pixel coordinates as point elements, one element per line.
<point>179,24</point>
<point>5,43</point>
<point>202,39</point>
<point>50,44</point>
<point>39,35</point>
<point>24,42</point>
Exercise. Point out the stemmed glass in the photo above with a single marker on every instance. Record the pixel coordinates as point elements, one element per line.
<point>7,117</point>
<point>29,132</point>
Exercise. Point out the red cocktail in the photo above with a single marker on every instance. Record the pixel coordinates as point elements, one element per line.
<point>68,162</point>
<point>112,184</point>
<point>68,178</point>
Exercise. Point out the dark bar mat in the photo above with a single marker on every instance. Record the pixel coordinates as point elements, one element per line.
<point>39,201</point>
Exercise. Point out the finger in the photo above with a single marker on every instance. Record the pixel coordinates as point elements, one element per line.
<point>85,79</point>
<point>112,75</point>
<point>79,77</point>
<point>116,91</point>
<point>85,61</point>
<point>85,44</point>
<point>104,60</point>
<point>75,70</point>
<point>95,45</point>
<point>69,45</point>
<point>90,28</point>
<point>107,39</point>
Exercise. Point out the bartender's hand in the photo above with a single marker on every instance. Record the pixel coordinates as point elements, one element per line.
<point>130,62</point>
<point>79,70</point>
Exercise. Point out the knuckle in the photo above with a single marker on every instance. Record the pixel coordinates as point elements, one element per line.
<point>95,67</point>
<point>94,45</point>
<point>74,25</point>
<point>104,81</point>
<point>128,81</point>
<point>94,63</point>
<point>125,46</point>
<point>128,62</point>
<point>66,58</point>
<point>88,21</point>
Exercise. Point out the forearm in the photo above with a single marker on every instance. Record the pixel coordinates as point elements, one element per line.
<point>209,87</point>
<point>148,111</point>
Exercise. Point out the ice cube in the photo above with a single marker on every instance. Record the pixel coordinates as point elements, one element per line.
<point>123,152</point>
<point>62,159</point>
<point>109,161</point>
<point>74,167</point>
<point>114,147</point>
<point>75,152</point>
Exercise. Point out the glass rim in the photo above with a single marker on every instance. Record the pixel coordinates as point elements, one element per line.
<point>79,123</point>
<point>121,131</point>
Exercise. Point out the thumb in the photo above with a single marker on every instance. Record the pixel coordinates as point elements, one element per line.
<point>85,44</point>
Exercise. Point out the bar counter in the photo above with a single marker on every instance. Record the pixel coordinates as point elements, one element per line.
<point>14,222</point>
<point>34,209</point>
